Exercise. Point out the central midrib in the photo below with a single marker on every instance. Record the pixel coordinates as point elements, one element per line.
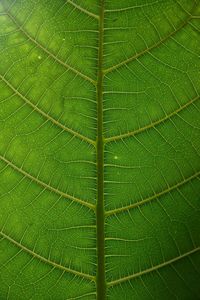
<point>100,213</point>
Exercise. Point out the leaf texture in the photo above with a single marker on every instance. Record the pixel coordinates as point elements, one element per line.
<point>99,149</point>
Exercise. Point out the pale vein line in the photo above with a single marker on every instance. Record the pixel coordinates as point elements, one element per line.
<point>131,7</point>
<point>46,186</point>
<point>134,132</point>
<point>124,240</point>
<point>171,188</point>
<point>50,53</point>
<point>160,42</point>
<point>83,10</point>
<point>54,121</point>
<point>81,296</point>
<point>54,264</point>
<point>154,268</point>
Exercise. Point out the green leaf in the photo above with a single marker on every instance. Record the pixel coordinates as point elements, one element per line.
<point>99,149</point>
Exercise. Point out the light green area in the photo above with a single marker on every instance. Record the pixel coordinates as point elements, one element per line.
<point>53,83</point>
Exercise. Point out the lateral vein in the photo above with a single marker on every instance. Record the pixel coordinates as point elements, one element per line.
<point>130,7</point>
<point>148,199</point>
<point>47,186</point>
<point>87,12</point>
<point>154,268</point>
<point>47,116</point>
<point>148,49</point>
<point>135,132</point>
<point>67,66</point>
<point>54,264</point>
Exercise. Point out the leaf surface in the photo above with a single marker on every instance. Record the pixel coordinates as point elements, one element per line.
<point>99,149</point>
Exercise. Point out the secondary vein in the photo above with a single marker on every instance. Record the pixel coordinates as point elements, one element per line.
<point>50,54</point>
<point>46,115</point>
<point>154,268</point>
<point>45,185</point>
<point>52,263</point>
